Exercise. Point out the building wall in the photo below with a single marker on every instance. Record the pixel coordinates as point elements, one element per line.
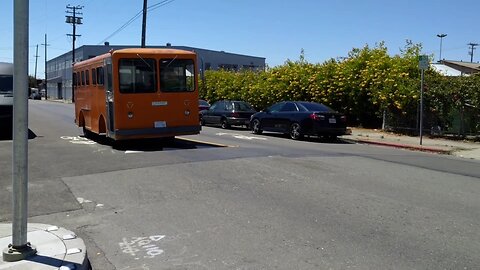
<point>59,69</point>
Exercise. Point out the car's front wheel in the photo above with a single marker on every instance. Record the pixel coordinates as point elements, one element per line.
<point>225,125</point>
<point>296,131</point>
<point>256,128</point>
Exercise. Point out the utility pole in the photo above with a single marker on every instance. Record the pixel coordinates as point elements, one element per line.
<point>20,248</point>
<point>74,19</point>
<point>36,61</point>
<point>144,23</point>
<point>45,84</point>
<point>472,48</point>
<point>441,36</point>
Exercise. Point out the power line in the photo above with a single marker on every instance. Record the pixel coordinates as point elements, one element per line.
<point>136,16</point>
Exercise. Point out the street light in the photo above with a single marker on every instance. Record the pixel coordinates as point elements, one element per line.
<point>441,36</point>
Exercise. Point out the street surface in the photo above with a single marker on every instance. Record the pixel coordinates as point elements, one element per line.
<point>228,199</point>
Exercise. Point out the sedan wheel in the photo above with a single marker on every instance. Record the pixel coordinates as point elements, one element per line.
<point>225,124</point>
<point>295,131</point>
<point>256,126</point>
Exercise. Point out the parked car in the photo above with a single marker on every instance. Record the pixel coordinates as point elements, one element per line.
<point>299,118</point>
<point>203,105</point>
<point>35,95</point>
<point>228,113</point>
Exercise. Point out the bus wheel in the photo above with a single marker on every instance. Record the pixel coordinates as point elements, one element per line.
<point>86,133</point>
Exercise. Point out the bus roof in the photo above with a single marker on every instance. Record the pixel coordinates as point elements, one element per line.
<point>154,51</point>
<point>135,51</point>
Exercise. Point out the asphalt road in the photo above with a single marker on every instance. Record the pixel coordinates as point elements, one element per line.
<point>228,199</point>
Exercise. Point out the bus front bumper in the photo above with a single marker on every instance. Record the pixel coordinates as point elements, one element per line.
<point>126,134</point>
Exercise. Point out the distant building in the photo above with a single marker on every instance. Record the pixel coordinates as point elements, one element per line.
<point>456,68</point>
<point>59,69</point>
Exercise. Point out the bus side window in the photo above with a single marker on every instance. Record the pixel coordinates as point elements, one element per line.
<point>83,77</point>
<point>100,76</point>
<point>79,79</point>
<point>74,78</point>
<point>87,77</point>
<point>94,77</point>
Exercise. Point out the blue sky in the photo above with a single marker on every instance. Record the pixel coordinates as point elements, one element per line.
<point>277,30</point>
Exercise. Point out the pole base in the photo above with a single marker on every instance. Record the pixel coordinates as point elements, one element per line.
<point>15,254</point>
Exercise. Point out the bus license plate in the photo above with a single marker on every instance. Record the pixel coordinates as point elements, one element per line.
<point>332,120</point>
<point>160,124</point>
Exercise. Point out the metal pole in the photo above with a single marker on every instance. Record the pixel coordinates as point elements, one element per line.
<point>20,248</point>
<point>421,107</point>
<point>46,93</point>
<point>20,123</point>
<point>144,23</point>
<point>441,36</point>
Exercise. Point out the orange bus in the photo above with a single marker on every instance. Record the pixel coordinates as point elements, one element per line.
<point>137,93</point>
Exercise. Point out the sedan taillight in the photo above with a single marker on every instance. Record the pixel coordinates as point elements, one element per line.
<point>317,116</point>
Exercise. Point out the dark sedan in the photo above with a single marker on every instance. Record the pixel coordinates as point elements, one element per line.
<point>227,113</point>
<point>203,105</point>
<point>299,118</point>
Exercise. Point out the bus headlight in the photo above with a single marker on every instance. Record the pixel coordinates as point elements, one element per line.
<point>187,112</point>
<point>130,115</point>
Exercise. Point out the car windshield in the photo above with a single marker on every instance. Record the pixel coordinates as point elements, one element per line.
<point>317,107</point>
<point>242,106</point>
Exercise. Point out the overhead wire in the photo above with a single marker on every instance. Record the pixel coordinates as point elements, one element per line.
<point>131,20</point>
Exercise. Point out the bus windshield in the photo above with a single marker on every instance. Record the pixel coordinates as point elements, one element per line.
<point>137,76</point>
<point>6,83</point>
<point>177,75</point>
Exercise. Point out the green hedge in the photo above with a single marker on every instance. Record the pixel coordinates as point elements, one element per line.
<point>364,85</point>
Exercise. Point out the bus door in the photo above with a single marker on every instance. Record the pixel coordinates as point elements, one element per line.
<point>109,97</point>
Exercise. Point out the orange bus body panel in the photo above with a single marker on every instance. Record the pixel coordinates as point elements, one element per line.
<point>135,115</point>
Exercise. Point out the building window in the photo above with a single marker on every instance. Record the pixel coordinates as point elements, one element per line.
<point>228,66</point>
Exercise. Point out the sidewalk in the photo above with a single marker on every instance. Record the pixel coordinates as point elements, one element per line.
<point>464,149</point>
<point>57,248</point>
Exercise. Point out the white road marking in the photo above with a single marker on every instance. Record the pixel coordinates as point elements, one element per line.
<point>133,152</point>
<point>77,140</point>
<point>241,136</point>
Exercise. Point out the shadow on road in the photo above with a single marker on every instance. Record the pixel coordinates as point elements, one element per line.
<point>313,139</point>
<point>151,145</point>
<point>7,134</point>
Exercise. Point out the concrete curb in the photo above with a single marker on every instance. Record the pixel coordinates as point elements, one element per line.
<point>57,248</point>
<point>404,146</point>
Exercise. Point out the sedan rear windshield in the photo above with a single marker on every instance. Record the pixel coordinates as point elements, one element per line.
<point>316,107</point>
